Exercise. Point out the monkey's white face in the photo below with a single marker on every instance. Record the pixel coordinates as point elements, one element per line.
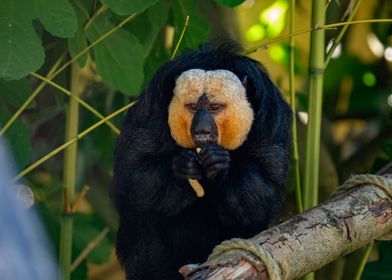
<point>226,101</point>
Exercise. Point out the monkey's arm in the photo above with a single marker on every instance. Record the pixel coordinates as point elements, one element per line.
<point>252,192</point>
<point>144,179</point>
<point>150,185</point>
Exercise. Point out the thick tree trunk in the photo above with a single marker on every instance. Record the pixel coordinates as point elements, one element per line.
<point>306,242</point>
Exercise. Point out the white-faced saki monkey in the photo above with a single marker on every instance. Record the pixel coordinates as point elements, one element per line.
<point>224,103</point>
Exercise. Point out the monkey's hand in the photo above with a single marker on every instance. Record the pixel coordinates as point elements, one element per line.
<point>186,165</point>
<point>216,162</point>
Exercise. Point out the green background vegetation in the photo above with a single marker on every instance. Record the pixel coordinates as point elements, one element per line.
<point>98,56</point>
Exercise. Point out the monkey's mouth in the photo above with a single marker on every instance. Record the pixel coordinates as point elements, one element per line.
<point>204,139</point>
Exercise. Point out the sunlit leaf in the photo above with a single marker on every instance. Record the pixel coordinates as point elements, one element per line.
<point>274,13</point>
<point>369,79</point>
<point>119,58</point>
<point>273,17</point>
<point>278,53</point>
<point>255,33</point>
<point>126,7</point>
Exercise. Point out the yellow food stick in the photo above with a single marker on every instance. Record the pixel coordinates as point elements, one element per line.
<point>196,186</point>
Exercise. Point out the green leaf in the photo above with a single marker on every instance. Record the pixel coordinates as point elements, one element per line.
<point>159,13</point>
<point>147,25</point>
<point>81,272</point>
<point>119,59</point>
<point>387,147</point>
<point>381,269</point>
<point>230,3</point>
<point>20,48</point>
<point>79,42</point>
<point>198,27</point>
<point>86,230</point>
<point>57,16</point>
<point>17,137</point>
<point>15,92</point>
<point>127,7</point>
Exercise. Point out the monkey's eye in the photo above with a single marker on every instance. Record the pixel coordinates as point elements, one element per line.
<point>215,107</point>
<point>193,107</point>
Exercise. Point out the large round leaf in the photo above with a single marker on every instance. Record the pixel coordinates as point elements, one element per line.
<point>127,7</point>
<point>119,58</point>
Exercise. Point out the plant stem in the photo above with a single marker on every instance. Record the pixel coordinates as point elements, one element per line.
<point>31,97</point>
<point>181,36</point>
<point>71,141</point>
<point>315,28</point>
<point>336,42</point>
<point>70,166</point>
<point>298,193</point>
<point>79,100</point>
<point>361,265</point>
<point>315,95</point>
<point>316,72</point>
<point>53,73</point>
<point>101,10</point>
<point>93,44</point>
<point>90,246</point>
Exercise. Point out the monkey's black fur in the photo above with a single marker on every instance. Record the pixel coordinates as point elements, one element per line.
<point>163,225</point>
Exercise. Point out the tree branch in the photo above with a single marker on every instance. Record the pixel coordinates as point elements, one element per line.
<point>306,242</point>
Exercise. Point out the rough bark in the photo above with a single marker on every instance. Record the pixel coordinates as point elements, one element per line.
<point>308,241</point>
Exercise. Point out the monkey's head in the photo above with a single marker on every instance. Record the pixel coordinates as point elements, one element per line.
<point>209,107</point>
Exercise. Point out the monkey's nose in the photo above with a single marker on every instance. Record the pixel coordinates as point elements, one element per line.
<point>203,128</point>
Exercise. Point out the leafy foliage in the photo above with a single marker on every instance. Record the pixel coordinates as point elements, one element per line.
<point>57,16</point>
<point>20,47</point>
<point>231,3</point>
<point>34,33</point>
<point>125,7</point>
<point>381,269</point>
<point>120,59</point>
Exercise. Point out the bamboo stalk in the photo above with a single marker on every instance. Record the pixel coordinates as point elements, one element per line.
<point>315,95</point>
<point>181,37</point>
<point>71,141</point>
<point>93,44</point>
<point>362,263</point>
<point>336,42</point>
<point>90,246</point>
<point>78,99</point>
<point>311,29</point>
<point>298,193</point>
<point>54,71</point>
<point>316,72</point>
<point>32,96</point>
<point>70,162</point>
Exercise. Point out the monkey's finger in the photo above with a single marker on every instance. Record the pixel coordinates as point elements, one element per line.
<point>212,172</point>
<point>189,154</point>
<point>212,159</point>
<point>183,161</point>
<point>213,149</point>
